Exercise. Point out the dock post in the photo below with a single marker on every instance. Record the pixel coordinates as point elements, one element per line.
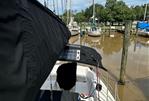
<point>110,29</point>
<point>125,52</point>
<point>103,31</point>
<point>136,32</point>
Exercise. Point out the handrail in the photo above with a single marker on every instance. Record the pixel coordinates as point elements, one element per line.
<point>112,89</point>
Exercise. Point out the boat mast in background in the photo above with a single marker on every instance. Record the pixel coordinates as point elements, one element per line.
<point>145,11</point>
<point>93,11</point>
<point>57,7</point>
<point>67,10</point>
<point>53,6</point>
<point>62,6</point>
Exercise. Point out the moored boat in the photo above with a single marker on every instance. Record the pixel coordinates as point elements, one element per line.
<point>93,29</point>
<point>73,27</point>
<point>143,28</point>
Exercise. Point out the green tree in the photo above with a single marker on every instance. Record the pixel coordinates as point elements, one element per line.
<point>89,12</point>
<point>122,12</point>
<point>118,11</point>
<point>110,9</point>
<point>100,12</point>
<point>80,16</point>
<point>139,12</point>
<point>113,11</point>
<point>110,4</point>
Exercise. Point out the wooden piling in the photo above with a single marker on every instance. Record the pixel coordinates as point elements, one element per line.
<point>104,29</point>
<point>110,29</point>
<point>125,52</point>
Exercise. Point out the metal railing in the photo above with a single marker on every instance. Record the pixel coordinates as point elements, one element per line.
<point>110,89</point>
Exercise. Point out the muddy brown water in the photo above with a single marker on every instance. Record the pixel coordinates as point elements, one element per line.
<point>136,87</point>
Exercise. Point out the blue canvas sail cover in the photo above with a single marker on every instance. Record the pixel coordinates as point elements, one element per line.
<point>143,25</point>
<point>31,39</point>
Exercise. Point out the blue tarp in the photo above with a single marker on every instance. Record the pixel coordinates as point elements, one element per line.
<point>143,25</point>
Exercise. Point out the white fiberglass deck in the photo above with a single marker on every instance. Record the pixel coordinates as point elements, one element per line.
<point>86,83</point>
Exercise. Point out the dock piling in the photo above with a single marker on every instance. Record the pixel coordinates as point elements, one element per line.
<point>125,52</point>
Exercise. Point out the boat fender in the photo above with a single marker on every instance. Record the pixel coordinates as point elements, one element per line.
<point>98,87</point>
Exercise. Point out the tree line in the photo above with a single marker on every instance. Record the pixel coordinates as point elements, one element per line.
<point>113,11</point>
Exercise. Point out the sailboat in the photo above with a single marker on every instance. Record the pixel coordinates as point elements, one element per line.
<point>72,25</point>
<point>88,86</point>
<point>93,30</point>
<point>142,26</point>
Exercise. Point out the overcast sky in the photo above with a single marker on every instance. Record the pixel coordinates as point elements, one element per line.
<point>79,5</point>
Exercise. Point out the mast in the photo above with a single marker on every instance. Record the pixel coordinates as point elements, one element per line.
<point>70,4</point>
<point>62,6</point>
<point>45,4</point>
<point>67,9</point>
<point>93,8</point>
<point>65,5</point>
<point>145,11</point>
<point>93,12</point>
<point>53,6</point>
<point>57,7</point>
<point>48,3</point>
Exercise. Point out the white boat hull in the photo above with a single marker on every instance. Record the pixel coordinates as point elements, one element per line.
<point>94,33</point>
<point>73,27</point>
<point>74,32</point>
<point>143,33</point>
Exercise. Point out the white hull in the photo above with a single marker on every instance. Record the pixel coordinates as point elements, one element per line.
<point>73,27</point>
<point>143,33</point>
<point>86,83</point>
<point>94,33</point>
<point>74,32</point>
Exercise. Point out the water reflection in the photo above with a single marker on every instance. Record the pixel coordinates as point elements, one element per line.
<point>74,39</point>
<point>111,45</point>
<point>108,45</point>
<point>92,41</point>
<point>142,41</point>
